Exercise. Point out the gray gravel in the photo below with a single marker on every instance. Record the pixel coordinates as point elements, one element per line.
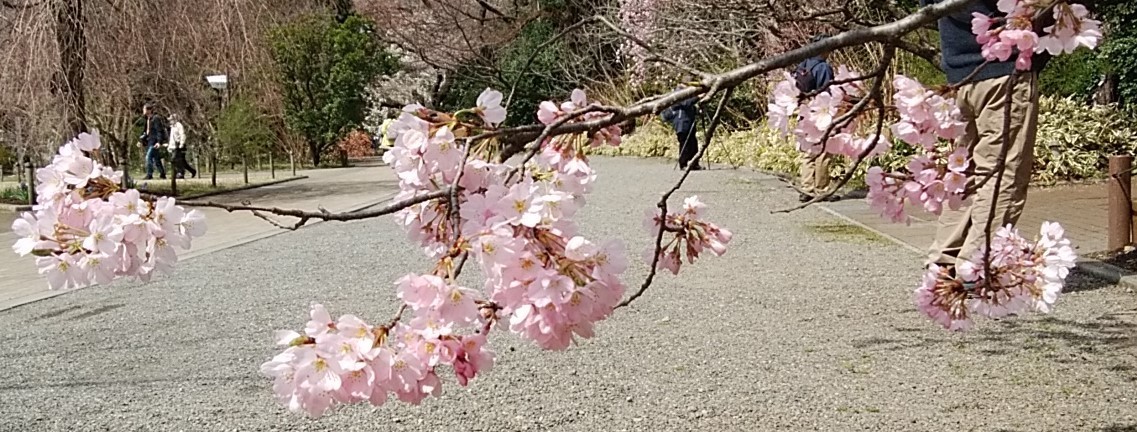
<point>804,325</point>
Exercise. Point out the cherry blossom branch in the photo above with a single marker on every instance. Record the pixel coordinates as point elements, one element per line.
<point>879,98</point>
<point>662,205</point>
<point>306,216</point>
<point>861,105</point>
<point>534,146</point>
<point>882,33</point>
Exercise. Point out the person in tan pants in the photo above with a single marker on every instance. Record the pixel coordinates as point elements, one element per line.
<point>960,233</point>
<point>982,98</point>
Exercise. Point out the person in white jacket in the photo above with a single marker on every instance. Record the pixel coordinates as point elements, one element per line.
<point>178,146</point>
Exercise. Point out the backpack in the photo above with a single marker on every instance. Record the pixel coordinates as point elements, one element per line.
<point>803,77</point>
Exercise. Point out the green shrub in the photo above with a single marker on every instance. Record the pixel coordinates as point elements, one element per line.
<point>1075,141</point>
<point>13,195</point>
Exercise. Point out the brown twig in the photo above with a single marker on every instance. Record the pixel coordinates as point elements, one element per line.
<point>1000,168</point>
<point>662,205</point>
<point>325,215</point>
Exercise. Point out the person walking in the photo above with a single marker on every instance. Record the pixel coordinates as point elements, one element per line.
<point>814,75</point>
<point>682,117</point>
<point>152,141</point>
<point>982,100</point>
<point>178,146</point>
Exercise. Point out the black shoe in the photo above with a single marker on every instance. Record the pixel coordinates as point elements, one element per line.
<point>804,198</point>
<point>181,177</point>
<point>193,174</point>
<point>162,177</point>
<point>697,168</point>
<point>148,178</point>
<point>833,198</point>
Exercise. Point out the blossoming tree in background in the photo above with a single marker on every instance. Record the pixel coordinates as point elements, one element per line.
<point>461,202</point>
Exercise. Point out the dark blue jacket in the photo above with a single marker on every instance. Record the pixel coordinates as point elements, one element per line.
<point>962,53</point>
<point>681,115</point>
<point>821,71</point>
<point>155,132</point>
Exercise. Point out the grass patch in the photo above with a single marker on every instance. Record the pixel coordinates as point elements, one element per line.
<point>194,187</point>
<point>13,195</point>
<point>846,233</point>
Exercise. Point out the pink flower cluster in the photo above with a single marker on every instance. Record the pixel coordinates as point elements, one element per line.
<point>685,234</point>
<point>347,361</point>
<point>549,112</point>
<point>933,179</point>
<point>1001,37</point>
<point>84,230</point>
<point>1023,276</point>
<point>821,114</point>
<point>543,280</point>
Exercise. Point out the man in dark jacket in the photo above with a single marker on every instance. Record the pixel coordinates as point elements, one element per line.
<point>814,74</point>
<point>982,100</point>
<point>682,117</point>
<point>153,138</point>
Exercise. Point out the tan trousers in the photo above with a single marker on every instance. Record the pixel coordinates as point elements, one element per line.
<point>962,232</point>
<point>815,175</point>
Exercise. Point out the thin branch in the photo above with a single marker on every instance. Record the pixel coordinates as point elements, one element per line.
<point>325,215</point>
<point>662,205</point>
<point>1000,168</point>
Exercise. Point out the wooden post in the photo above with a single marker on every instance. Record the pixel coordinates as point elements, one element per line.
<point>271,166</point>
<point>213,168</point>
<point>292,162</point>
<point>31,182</point>
<point>245,166</point>
<point>1120,201</point>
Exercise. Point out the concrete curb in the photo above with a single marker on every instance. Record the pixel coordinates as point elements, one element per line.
<point>1101,270</point>
<point>15,208</point>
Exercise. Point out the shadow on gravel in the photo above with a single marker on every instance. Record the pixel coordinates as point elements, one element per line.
<point>1107,341</point>
<point>99,311</point>
<point>1119,428</point>
<point>1079,280</point>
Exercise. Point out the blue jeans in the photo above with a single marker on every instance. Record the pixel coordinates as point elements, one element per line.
<point>154,158</point>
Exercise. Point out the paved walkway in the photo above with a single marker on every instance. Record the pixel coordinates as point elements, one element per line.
<point>1081,209</point>
<point>335,189</point>
<point>805,324</point>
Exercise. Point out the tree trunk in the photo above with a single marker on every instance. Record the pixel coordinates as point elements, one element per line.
<point>245,167</point>
<point>314,148</point>
<point>72,40</point>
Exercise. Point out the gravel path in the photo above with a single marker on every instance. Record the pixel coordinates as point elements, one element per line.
<point>806,324</point>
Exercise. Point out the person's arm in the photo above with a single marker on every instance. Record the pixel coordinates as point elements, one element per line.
<point>822,75</point>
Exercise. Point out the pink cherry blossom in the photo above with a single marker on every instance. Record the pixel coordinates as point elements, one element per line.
<point>85,230</point>
<point>489,107</point>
